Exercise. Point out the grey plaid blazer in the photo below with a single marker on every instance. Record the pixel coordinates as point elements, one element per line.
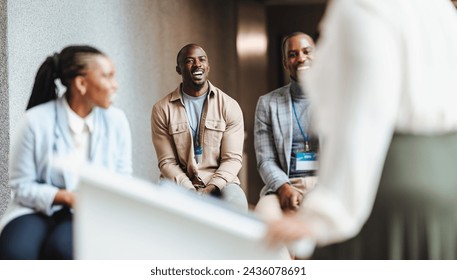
<point>273,137</point>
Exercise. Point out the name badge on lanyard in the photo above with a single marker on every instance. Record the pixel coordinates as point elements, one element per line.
<point>306,161</point>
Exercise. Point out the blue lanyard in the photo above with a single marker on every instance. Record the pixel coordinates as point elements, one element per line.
<point>305,136</point>
<point>198,128</point>
<point>196,131</point>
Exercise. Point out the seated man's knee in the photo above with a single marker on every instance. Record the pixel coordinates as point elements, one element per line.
<point>234,194</point>
<point>268,208</point>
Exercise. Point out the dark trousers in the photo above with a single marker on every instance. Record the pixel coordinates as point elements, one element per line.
<point>36,236</point>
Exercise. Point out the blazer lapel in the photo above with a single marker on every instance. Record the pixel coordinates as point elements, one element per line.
<point>62,129</point>
<point>284,119</point>
<point>96,134</point>
<point>63,144</point>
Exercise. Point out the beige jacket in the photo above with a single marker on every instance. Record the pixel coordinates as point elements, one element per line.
<point>222,137</point>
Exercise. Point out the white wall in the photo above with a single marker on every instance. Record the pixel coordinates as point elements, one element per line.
<point>4,110</point>
<point>143,38</point>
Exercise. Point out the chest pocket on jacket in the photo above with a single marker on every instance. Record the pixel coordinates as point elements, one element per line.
<point>214,130</point>
<point>178,132</point>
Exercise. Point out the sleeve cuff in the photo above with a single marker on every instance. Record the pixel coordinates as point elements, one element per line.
<point>184,181</point>
<point>218,182</point>
<point>45,204</point>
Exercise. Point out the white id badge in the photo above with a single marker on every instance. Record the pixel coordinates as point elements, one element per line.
<point>306,161</point>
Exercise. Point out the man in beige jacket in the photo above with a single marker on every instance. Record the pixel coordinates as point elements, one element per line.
<point>198,132</point>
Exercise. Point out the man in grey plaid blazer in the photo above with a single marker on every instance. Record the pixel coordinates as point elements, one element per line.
<point>286,150</point>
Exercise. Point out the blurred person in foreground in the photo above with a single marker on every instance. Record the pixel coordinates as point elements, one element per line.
<point>383,86</point>
<point>79,127</point>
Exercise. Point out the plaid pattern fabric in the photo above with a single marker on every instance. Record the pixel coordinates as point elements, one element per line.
<point>273,137</point>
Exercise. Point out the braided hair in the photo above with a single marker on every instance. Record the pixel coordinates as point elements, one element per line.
<point>66,65</point>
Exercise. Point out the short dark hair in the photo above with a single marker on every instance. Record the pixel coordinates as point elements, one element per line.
<point>185,48</point>
<point>286,38</point>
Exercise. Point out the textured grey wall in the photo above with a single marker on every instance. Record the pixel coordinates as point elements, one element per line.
<point>143,38</point>
<point>4,110</point>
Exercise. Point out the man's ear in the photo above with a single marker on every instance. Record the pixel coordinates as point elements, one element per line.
<point>284,64</point>
<point>178,70</point>
<point>80,84</point>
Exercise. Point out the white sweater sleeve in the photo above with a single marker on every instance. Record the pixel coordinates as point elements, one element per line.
<point>355,89</point>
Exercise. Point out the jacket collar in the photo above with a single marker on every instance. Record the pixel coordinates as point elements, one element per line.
<point>62,128</point>
<point>176,94</point>
<point>77,123</point>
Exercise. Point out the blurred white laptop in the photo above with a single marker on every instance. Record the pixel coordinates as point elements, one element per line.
<point>120,217</point>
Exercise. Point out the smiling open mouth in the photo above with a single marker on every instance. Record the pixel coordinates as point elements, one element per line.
<point>302,67</point>
<point>198,74</point>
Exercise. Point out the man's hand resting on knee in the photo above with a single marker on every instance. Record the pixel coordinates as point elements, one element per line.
<point>289,198</point>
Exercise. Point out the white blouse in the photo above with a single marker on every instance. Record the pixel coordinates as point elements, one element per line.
<point>381,66</point>
<point>80,129</point>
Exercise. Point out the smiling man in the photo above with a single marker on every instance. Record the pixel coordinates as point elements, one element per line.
<point>285,145</point>
<point>198,132</point>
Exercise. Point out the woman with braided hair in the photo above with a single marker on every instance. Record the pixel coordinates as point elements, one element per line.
<point>80,126</point>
